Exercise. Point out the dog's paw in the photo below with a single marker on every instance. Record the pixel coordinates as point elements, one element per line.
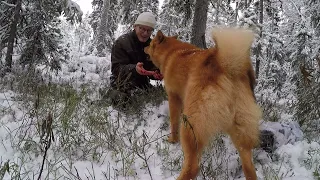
<point>173,140</point>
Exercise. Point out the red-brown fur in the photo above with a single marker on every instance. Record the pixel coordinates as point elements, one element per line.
<point>213,89</point>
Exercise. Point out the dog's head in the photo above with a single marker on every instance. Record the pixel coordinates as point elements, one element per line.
<point>158,48</point>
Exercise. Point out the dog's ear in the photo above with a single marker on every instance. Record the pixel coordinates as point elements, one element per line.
<point>159,37</point>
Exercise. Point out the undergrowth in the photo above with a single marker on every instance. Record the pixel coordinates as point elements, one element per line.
<point>62,125</point>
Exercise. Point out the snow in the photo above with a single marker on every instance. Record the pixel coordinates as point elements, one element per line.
<point>294,158</point>
<point>285,132</point>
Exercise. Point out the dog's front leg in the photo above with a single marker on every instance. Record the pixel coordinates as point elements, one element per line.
<point>175,108</point>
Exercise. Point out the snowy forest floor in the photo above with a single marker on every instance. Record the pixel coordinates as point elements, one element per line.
<point>61,126</point>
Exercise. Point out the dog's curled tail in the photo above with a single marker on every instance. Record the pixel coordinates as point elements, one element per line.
<point>233,49</point>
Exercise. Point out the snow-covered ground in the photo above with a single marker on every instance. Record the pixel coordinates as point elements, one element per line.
<point>147,155</point>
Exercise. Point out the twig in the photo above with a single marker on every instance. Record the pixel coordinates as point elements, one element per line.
<point>144,157</point>
<point>77,176</point>
<point>186,122</point>
<point>46,129</point>
<point>44,158</point>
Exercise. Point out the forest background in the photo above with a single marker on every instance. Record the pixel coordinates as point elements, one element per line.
<point>55,68</point>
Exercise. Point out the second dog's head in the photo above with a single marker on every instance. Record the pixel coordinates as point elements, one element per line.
<point>159,48</point>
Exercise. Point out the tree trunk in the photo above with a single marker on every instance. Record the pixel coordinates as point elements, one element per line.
<point>236,14</point>
<point>12,35</point>
<point>101,46</point>
<point>259,46</point>
<point>261,12</point>
<point>247,3</point>
<point>218,12</point>
<point>199,23</point>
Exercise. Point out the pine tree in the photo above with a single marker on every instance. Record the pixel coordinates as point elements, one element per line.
<point>101,44</point>
<point>111,25</point>
<point>10,28</point>
<point>273,65</point>
<point>42,36</point>
<point>176,18</point>
<point>35,27</point>
<point>83,34</point>
<point>168,21</point>
<point>223,13</point>
<point>131,9</point>
<point>308,77</point>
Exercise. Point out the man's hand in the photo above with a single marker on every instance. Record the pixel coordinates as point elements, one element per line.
<point>157,75</point>
<point>140,70</point>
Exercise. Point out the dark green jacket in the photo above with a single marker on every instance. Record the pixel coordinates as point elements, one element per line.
<point>126,52</point>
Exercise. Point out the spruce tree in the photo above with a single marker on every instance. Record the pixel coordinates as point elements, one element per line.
<point>307,111</point>
<point>176,18</point>
<point>41,35</point>
<point>131,9</point>
<point>35,28</point>
<point>9,30</point>
<point>110,23</point>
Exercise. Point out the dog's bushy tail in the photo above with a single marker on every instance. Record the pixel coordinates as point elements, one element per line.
<point>233,49</point>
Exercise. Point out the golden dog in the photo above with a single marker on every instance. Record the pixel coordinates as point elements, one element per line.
<point>213,89</point>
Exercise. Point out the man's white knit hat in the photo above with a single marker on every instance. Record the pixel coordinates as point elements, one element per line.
<point>147,19</point>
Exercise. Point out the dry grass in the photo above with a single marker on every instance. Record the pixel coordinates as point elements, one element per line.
<point>61,125</point>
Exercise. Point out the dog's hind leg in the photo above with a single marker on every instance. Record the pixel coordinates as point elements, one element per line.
<point>244,144</point>
<point>247,164</point>
<point>193,139</point>
<point>192,147</point>
<point>175,108</point>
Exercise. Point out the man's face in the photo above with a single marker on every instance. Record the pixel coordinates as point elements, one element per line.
<point>143,32</point>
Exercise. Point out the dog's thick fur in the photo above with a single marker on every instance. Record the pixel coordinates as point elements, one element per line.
<point>213,89</point>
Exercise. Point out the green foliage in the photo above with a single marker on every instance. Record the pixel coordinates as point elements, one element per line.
<point>84,128</point>
<point>307,110</point>
<point>316,174</point>
<point>10,168</point>
<point>4,168</point>
<point>214,159</point>
<point>5,22</point>
<point>175,16</point>
<point>136,102</point>
<point>112,22</point>
<point>132,8</point>
<point>43,37</point>
<point>38,35</point>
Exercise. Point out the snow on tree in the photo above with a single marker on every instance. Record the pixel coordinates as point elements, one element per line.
<point>103,28</point>
<point>35,28</point>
